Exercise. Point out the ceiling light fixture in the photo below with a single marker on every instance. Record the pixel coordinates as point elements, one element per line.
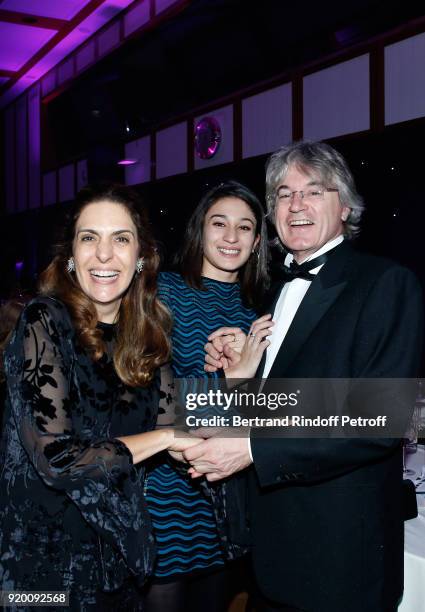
<point>127,162</point>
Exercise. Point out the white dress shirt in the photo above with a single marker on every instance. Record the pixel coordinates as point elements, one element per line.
<point>286,308</point>
<point>288,303</point>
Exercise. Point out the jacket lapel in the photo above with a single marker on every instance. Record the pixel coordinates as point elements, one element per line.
<point>321,295</point>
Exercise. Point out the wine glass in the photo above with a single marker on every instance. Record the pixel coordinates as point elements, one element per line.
<point>410,441</point>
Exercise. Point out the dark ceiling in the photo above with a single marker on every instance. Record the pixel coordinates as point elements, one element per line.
<point>211,49</point>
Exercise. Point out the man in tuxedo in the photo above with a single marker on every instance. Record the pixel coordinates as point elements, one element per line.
<point>325,514</point>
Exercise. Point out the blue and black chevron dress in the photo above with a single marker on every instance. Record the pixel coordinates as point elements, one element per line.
<point>182,518</point>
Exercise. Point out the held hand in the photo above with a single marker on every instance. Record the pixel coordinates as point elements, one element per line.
<point>232,337</point>
<point>180,443</point>
<point>252,351</point>
<point>229,335</point>
<point>218,458</point>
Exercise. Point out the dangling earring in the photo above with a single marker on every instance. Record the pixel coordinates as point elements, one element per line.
<point>70,266</point>
<point>140,264</point>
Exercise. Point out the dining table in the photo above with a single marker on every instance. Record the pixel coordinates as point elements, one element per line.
<point>414,538</point>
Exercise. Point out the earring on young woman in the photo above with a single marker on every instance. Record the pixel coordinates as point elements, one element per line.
<point>140,264</point>
<point>70,266</point>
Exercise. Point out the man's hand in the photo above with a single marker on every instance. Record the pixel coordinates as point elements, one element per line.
<point>217,458</point>
<point>231,337</point>
<point>180,443</point>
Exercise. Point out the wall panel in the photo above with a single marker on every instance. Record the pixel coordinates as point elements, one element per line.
<point>21,119</point>
<point>267,121</point>
<point>140,150</point>
<point>405,80</point>
<point>9,158</point>
<point>171,150</point>
<point>50,188</point>
<point>34,154</point>
<point>85,56</point>
<point>66,70</point>
<point>48,83</point>
<point>136,18</point>
<point>66,183</point>
<point>109,39</point>
<point>161,5</point>
<point>82,174</point>
<point>336,100</point>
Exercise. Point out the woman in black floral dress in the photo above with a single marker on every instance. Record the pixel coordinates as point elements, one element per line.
<point>82,399</point>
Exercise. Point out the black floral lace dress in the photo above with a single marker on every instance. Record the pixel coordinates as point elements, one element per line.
<point>72,510</point>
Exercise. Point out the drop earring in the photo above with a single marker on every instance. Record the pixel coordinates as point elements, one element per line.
<point>70,266</point>
<point>140,264</point>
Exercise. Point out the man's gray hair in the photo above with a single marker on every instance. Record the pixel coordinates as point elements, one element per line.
<point>322,161</point>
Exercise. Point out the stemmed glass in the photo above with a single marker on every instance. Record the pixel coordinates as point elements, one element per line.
<point>410,441</point>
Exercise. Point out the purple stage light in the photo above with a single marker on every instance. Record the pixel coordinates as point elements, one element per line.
<point>18,266</point>
<point>127,162</point>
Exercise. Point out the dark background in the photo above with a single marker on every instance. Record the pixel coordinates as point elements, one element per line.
<point>214,49</point>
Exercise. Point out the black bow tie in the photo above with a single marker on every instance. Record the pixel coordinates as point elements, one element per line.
<point>294,270</point>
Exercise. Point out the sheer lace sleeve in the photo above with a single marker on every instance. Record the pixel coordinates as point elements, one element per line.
<point>62,437</point>
<point>168,401</point>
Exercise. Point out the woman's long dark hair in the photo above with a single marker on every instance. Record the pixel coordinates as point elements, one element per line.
<point>253,276</point>
<point>143,325</point>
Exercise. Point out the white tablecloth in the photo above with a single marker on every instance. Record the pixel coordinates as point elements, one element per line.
<point>414,547</point>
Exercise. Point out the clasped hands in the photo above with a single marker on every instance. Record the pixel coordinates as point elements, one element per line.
<point>238,354</point>
<point>211,454</point>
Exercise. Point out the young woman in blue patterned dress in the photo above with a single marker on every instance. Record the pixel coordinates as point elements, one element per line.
<point>223,275</point>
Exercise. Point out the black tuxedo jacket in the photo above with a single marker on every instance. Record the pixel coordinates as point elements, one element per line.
<point>326,514</point>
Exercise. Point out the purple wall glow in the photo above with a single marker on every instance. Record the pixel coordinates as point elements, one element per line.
<point>25,45</point>
<point>66,71</point>
<point>9,158</point>
<point>66,183</point>
<point>82,177</point>
<point>21,154</point>
<point>136,18</point>
<point>34,146</point>
<point>65,9</point>
<point>19,43</point>
<point>50,195</point>
<point>161,5</point>
<point>86,56</point>
<point>171,150</point>
<point>109,39</point>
